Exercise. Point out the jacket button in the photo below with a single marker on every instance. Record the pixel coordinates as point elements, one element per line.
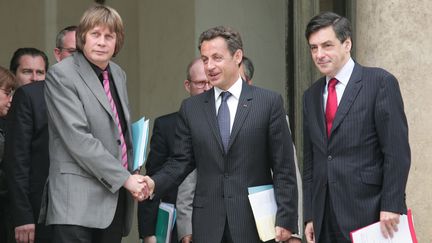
<point>329,158</point>
<point>118,141</point>
<point>226,175</point>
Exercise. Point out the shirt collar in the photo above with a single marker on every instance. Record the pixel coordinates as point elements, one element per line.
<point>235,89</point>
<point>344,74</point>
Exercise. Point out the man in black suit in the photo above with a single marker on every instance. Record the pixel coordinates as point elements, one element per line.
<point>235,141</point>
<point>26,153</point>
<point>161,149</point>
<point>356,151</point>
<point>27,147</point>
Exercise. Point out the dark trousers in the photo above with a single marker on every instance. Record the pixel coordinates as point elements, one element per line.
<point>80,234</point>
<point>330,230</point>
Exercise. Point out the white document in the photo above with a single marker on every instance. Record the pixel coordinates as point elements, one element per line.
<point>264,209</point>
<point>372,233</point>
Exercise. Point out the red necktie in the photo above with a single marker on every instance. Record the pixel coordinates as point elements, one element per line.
<point>106,86</point>
<point>331,107</point>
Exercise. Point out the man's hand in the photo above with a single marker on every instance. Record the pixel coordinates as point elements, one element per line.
<point>136,186</point>
<point>309,232</point>
<point>389,222</point>
<point>282,234</point>
<point>150,239</point>
<point>25,233</point>
<point>294,240</point>
<point>187,239</point>
<point>150,185</point>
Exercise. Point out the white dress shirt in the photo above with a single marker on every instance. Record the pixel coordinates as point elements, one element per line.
<point>343,77</point>
<point>232,101</point>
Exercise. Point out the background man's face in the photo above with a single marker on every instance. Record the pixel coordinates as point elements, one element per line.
<point>69,46</point>
<point>30,69</point>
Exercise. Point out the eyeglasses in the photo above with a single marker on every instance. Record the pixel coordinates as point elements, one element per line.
<point>70,50</point>
<point>200,84</point>
<point>8,93</point>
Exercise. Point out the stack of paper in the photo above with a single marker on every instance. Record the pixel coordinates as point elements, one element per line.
<point>264,209</point>
<point>140,133</point>
<point>372,233</point>
<point>165,222</point>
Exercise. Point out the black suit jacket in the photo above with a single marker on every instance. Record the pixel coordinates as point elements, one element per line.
<point>366,160</point>
<point>26,155</point>
<point>260,143</point>
<point>161,149</point>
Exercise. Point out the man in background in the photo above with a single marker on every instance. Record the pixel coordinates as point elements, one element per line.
<point>29,65</point>
<point>27,151</point>
<point>161,149</point>
<point>65,43</point>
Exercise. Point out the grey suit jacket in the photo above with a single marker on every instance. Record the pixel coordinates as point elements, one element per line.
<point>366,160</point>
<point>260,143</point>
<point>86,172</point>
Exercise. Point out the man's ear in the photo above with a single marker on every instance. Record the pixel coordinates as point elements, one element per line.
<point>238,56</point>
<point>186,84</point>
<point>348,44</point>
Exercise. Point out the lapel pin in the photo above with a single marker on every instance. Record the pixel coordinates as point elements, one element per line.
<point>244,105</point>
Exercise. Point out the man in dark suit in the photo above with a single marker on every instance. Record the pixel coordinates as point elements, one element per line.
<point>26,151</point>
<point>235,141</point>
<point>356,151</point>
<point>161,149</point>
<point>90,137</point>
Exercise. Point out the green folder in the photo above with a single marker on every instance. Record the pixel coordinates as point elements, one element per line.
<point>165,222</point>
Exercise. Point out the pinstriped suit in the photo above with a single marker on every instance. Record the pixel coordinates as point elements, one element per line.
<point>366,161</point>
<point>258,144</point>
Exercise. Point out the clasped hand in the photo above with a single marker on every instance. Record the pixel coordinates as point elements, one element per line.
<point>141,187</point>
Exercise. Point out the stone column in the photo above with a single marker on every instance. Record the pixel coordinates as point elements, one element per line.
<point>395,35</point>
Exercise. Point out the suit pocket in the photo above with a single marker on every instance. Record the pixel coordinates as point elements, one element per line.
<point>371,177</point>
<point>73,168</point>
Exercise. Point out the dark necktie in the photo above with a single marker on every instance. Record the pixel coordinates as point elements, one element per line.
<point>106,86</point>
<point>224,119</point>
<point>331,107</point>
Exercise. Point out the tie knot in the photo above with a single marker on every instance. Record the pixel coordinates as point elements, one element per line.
<point>105,75</point>
<point>225,95</point>
<point>333,82</point>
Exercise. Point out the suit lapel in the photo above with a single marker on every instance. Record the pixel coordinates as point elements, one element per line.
<point>92,81</point>
<point>243,109</point>
<point>317,97</point>
<point>210,111</point>
<point>350,94</point>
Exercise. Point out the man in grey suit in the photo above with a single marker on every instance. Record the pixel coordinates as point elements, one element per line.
<point>90,137</point>
<point>356,151</point>
<point>235,141</point>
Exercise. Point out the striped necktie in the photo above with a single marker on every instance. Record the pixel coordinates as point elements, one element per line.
<point>106,86</point>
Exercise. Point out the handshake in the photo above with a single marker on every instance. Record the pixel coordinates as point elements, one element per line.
<point>141,187</point>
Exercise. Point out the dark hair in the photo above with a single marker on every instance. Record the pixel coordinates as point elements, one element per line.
<point>231,37</point>
<point>61,35</point>
<point>14,63</point>
<point>341,25</point>
<point>248,68</point>
<point>100,15</point>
